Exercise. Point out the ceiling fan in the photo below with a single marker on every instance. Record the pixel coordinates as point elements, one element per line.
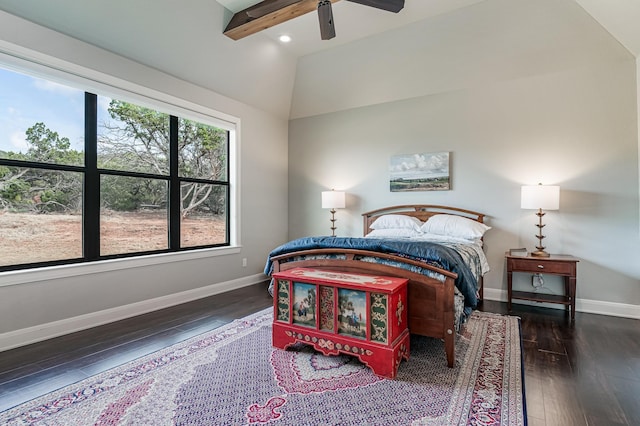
<point>269,13</point>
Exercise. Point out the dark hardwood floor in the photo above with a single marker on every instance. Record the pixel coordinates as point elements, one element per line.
<point>585,373</point>
<point>582,373</point>
<point>33,370</point>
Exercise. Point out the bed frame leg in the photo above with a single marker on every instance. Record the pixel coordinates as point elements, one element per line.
<point>449,347</point>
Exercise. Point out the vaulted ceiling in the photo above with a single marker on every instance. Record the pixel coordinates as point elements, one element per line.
<point>185,39</point>
<point>353,22</point>
<point>90,21</point>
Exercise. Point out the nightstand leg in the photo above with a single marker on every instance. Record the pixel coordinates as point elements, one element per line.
<point>572,295</point>
<point>509,289</point>
<point>567,292</point>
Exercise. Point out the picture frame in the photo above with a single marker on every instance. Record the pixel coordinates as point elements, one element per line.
<point>304,304</point>
<point>352,315</point>
<point>419,172</point>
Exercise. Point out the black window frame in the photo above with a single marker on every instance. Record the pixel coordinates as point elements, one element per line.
<point>91,192</point>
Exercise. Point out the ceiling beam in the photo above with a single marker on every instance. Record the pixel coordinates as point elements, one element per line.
<point>267,14</point>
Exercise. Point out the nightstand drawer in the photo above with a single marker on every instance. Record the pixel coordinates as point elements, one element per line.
<point>542,267</point>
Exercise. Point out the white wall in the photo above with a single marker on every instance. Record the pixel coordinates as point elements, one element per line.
<point>519,92</point>
<point>494,40</point>
<point>36,304</point>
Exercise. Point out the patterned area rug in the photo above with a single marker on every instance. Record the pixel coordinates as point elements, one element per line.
<point>232,376</point>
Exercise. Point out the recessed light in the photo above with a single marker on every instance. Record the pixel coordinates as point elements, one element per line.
<point>285,38</point>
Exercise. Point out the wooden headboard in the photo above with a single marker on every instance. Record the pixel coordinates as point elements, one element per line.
<point>420,211</point>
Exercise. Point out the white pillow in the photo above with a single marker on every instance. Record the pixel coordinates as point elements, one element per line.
<point>393,233</point>
<point>454,226</point>
<point>397,221</point>
<point>435,238</point>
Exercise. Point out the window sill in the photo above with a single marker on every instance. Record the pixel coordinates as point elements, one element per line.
<point>64,271</point>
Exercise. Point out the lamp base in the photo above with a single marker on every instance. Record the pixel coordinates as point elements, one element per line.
<point>540,253</point>
<point>333,222</point>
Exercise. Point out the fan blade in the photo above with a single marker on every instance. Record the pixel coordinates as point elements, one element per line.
<point>325,16</point>
<point>394,6</point>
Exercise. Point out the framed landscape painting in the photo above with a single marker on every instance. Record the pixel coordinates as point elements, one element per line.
<point>419,172</point>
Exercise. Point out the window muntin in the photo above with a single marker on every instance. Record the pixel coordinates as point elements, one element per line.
<point>209,217</point>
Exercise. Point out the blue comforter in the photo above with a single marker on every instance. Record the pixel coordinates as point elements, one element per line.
<point>433,253</point>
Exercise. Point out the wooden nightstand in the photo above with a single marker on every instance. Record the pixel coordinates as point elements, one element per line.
<point>556,264</point>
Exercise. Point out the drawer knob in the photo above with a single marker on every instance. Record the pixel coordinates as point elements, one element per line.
<point>540,266</point>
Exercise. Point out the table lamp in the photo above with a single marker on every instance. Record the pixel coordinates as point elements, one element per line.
<point>333,200</point>
<point>540,197</point>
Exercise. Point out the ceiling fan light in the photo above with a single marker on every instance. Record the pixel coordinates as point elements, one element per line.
<point>325,16</point>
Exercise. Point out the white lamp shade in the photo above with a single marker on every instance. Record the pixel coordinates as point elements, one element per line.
<point>333,200</point>
<point>546,197</point>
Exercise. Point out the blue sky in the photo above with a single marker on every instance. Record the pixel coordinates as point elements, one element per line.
<point>26,100</point>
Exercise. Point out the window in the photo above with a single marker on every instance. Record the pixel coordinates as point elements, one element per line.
<point>88,177</point>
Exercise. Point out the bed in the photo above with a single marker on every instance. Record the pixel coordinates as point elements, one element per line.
<point>437,248</point>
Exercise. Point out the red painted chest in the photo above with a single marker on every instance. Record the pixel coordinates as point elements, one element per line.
<point>356,314</point>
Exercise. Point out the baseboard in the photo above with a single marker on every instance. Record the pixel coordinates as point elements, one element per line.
<point>600,307</point>
<point>26,336</point>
